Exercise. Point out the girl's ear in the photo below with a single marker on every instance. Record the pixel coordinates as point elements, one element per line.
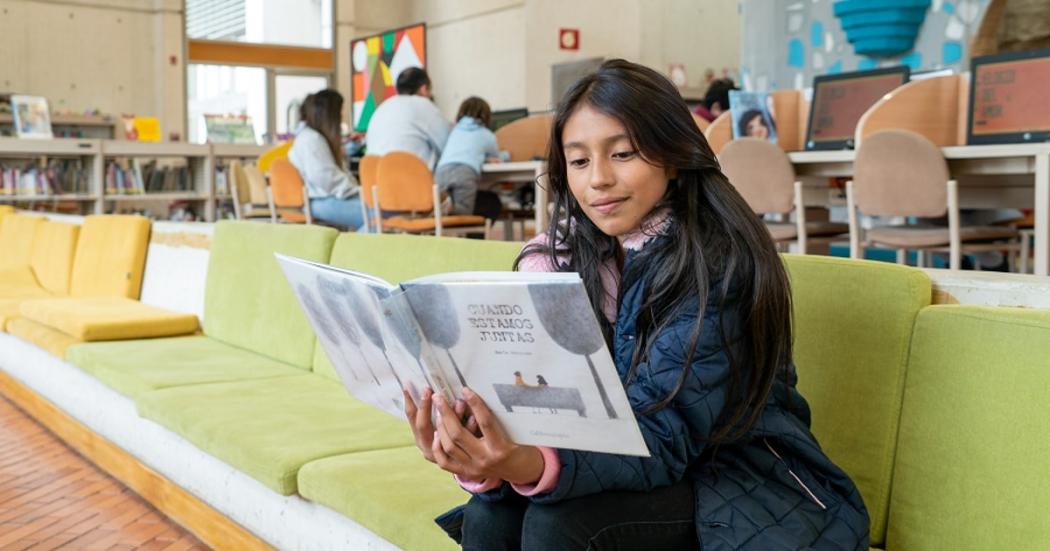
<point>672,173</point>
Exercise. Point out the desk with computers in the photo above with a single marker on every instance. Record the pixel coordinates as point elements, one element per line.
<point>993,128</point>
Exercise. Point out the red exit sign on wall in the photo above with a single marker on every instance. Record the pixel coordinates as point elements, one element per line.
<point>569,39</point>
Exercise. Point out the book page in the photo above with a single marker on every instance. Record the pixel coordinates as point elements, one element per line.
<point>364,339</point>
<point>533,350</point>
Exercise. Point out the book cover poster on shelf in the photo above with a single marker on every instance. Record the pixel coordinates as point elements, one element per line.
<point>230,129</point>
<point>376,62</point>
<point>753,116</point>
<point>32,117</point>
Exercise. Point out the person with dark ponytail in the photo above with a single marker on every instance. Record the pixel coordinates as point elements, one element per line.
<point>695,306</point>
<point>317,153</point>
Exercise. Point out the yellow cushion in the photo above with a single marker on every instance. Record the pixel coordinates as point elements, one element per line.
<point>5,210</point>
<point>16,240</point>
<point>9,310</point>
<point>111,254</point>
<point>52,340</point>
<point>20,283</point>
<point>52,257</point>
<point>107,318</point>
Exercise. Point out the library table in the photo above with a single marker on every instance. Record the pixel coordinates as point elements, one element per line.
<point>534,172</point>
<point>989,176</point>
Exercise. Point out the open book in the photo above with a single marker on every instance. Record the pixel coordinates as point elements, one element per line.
<point>526,343</point>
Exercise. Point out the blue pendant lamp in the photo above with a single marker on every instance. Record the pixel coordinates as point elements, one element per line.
<point>881,28</point>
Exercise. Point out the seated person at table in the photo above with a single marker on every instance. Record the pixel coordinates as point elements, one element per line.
<point>716,99</point>
<point>469,146</point>
<point>409,121</point>
<point>318,154</point>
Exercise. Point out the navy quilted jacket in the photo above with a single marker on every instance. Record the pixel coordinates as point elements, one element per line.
<point>773,490</point>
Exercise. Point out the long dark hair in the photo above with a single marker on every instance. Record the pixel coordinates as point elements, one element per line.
<point>322,111</point>
<point>716,244</point>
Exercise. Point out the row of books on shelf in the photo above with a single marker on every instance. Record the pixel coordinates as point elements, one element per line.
<point>56,177</point>
<point>137,177</point>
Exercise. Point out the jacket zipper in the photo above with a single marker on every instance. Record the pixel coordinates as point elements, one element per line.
<point>805,488</point>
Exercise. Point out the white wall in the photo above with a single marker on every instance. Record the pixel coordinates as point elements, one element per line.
<point>96,54</point>
<point>475,48</point>
<point>701,35</point>
<point>608,28</point>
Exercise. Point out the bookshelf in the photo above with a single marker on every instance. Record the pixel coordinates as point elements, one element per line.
<point>96,163</point>
<point>62,173</point>
<point>99,127</point>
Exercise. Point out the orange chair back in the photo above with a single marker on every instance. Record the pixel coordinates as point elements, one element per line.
<point>368,170</point>
<point>526,138</point>
<point>286,184</point>
<point>404,183</point>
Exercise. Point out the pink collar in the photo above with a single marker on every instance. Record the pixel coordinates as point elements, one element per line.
<point>651,227</point>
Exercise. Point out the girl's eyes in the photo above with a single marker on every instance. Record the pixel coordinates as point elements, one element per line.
<point>619,156</point>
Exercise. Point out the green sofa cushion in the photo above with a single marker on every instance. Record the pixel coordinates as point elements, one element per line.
<point>248,302</point>
<point>398,258</point>
<point>138,366</point>
<point>853,324</point>
<point>269,428</point>
<point>971,469</point>
<point>394,493</point>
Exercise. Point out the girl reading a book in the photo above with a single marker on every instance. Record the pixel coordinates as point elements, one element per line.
<point>695,306</point>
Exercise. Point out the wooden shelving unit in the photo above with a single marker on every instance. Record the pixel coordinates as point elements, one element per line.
<point>201,159</point>
<point>91,126</point>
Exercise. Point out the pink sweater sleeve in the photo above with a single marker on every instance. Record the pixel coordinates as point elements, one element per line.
<point>549,478</point>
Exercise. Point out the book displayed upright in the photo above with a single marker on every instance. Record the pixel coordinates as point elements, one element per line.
<point>753,116</point>
<point>32,117</point>
<point>527,343</point>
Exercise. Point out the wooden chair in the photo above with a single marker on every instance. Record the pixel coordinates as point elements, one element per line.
<point>287,194</point>
<point>404,184</point>
<point>525,139</point>
<point>368,172</point>
<point>701,122</point>
<point>765,177</point>
<point>900,173</point>
<point>247,191</point>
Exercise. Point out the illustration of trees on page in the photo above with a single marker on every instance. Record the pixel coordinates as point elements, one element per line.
<point>358,336</point>
<point>534,352</point>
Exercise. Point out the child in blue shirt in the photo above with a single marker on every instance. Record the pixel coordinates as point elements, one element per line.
<point>469,146</point>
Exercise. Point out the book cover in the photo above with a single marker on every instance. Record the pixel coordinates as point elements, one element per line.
<point>32,117</point>
<point>753,115</point>
<point>527,343</point>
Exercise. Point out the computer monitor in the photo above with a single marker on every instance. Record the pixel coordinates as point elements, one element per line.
<point>1008,98</point>
<point>507,116</point>
<point>840,100</point>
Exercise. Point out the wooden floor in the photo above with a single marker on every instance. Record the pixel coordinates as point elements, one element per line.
<point>52,498</point>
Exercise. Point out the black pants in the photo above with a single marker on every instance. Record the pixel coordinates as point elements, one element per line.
<point>661,519</point>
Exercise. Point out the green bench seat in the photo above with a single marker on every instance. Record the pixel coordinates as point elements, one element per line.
<point>853,326</point>
<point>269,428</point>
<point>135,367</point>
<point>394,493</point>
<point>972,469</point>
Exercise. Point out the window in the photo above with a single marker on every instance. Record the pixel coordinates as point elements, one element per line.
<point>289,22</point>
<point>289,92</point>
<point>225,90</point>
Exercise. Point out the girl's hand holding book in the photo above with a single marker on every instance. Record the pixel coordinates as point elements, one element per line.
<point>483,454</point>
